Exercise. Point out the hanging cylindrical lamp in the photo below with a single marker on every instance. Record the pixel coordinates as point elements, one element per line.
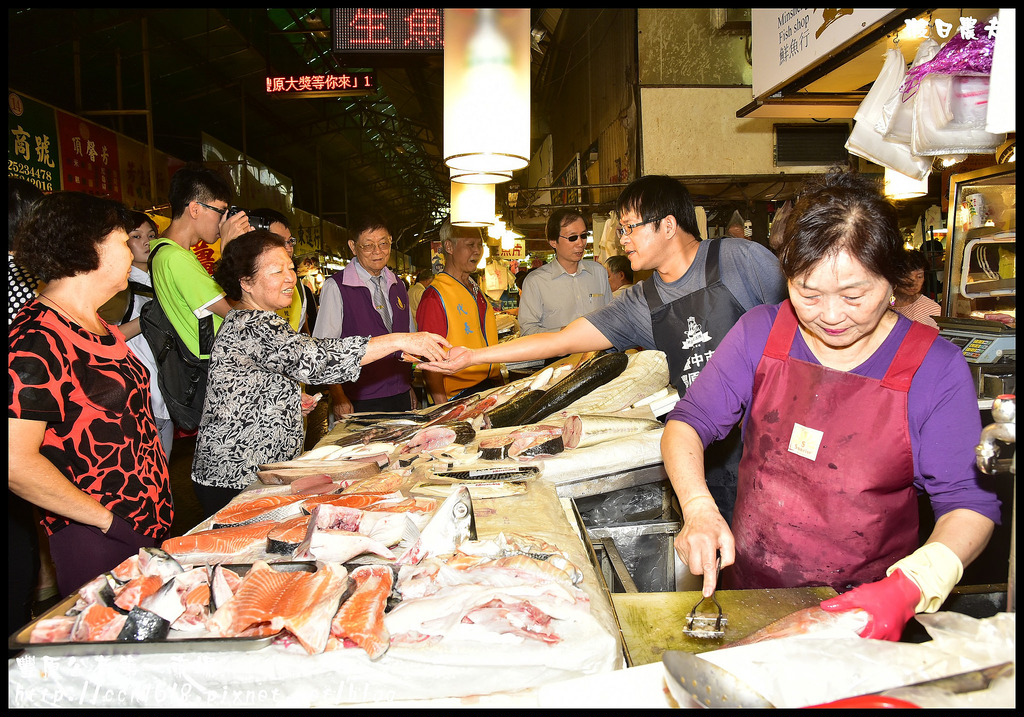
<point>487,89</point>
<point>899,186</point>
<point>508,240</point>
<point>472,205</point>
<point>465,176</point>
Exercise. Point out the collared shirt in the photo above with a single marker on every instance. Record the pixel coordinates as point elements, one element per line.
<point>553,298</point>
<point>332,309</point>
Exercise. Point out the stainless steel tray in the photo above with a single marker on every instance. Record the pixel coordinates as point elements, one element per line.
<point>182,642</point>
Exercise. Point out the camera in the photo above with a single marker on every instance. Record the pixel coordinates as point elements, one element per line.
<point>255,222</point>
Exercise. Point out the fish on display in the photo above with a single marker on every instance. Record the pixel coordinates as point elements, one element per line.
<point>439,435</point>
<point>496,448</point>
<point>360,618</point>
<point>224,582</point>
<point>292,471</point>
<point>299,601</point>
<point>53,629</point>
<point>219,545</point>
<point>286,537</point>
<point>143,626</point>
<point>136,590</point>
<point>582,431</point>
<point>509,413</point>
<point>452,524</point>
<point>266,508</point>
<point>384,526</point>
<point>536,441</point>
<point>337,546</point>
<point>101,590</point>
<point>580,382</point>
<point>157,561</point>
<point>97,623</point>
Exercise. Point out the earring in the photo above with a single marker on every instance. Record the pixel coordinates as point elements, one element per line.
<point>892,301</point>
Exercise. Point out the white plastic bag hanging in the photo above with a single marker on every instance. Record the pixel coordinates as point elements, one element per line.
<point>897,121</point>
<point>867,142</point>
<point>951,100</point>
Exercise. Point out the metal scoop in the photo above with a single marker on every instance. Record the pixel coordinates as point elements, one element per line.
<point>707,625</point>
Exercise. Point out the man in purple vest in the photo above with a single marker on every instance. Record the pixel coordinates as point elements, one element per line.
<point>368,299</point>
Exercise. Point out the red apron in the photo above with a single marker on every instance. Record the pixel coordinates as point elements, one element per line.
<point>826,494</point>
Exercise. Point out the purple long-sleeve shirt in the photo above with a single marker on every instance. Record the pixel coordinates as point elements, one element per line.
<point>945,423</point>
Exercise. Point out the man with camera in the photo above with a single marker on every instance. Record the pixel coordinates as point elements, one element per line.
<point>200,211</point>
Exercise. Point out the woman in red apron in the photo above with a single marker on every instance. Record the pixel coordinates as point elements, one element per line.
<point>848,410</point>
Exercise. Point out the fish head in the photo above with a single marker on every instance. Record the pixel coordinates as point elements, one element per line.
<point>156,561</point>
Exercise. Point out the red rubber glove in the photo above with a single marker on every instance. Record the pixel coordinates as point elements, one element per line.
<point>890,602</point>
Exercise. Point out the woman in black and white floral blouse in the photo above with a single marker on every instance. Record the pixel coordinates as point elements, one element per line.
<point>254,405</point>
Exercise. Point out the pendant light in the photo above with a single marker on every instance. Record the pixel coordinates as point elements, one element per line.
<point>900,186</point>
<point>486,89</point>
<point>472,205</point>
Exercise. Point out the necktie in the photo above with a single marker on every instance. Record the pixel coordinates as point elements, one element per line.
<point>380,302</point>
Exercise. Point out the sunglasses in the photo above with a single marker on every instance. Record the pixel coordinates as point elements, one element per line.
<point>576,237</point>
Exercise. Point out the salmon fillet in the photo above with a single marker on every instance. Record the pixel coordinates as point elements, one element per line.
<point>300,602</point>
<point>218,544</point>
<point>361,617</point>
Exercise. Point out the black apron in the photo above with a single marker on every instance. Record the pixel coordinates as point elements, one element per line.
<point>689,330</point>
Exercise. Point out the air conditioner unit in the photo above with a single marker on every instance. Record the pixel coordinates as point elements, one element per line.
<point>811,145</point>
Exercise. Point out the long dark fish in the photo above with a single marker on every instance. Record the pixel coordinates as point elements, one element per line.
<point>580,382</point>
<point>508,413</point>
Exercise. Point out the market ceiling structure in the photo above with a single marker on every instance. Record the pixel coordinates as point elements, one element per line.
<point>207,72</point>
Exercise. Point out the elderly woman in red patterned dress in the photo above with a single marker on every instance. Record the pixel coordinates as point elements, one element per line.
<point>83,441</point>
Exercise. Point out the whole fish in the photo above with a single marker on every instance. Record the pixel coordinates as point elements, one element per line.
<point>452,524</point>
<point>580,382</point>
<point>508,413</point>
<point>804,622</point>
<point>582,431</point>
<point>646,373</point>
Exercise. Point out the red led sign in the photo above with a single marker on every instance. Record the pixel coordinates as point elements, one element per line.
<point>349,83</point>
<point>387,30</point>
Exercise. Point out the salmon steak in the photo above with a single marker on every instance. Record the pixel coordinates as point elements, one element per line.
<point>360,619</point>
<point>301,602</point>
<point>286,536</point>
<point>219,545</point>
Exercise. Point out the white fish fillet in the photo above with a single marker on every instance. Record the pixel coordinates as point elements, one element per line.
<point>439,613</point>
<point>580,431</point>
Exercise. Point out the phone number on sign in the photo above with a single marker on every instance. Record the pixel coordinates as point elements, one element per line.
<point>42,178</point>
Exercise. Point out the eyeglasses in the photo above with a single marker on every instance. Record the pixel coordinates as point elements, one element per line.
<point>382,246</point>
<point>626,229</point>
<point>291,241</point>
<point>214,209</point>
<point>576,237</point>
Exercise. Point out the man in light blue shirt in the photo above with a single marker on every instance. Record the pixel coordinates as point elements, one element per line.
<point>569,286</point>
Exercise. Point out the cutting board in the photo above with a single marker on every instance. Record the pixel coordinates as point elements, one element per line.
<point>653,622</point>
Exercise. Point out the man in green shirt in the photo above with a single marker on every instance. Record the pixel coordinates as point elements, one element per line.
<point>193,301</point>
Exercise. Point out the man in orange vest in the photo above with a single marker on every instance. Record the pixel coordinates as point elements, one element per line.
<point>456,308</point>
